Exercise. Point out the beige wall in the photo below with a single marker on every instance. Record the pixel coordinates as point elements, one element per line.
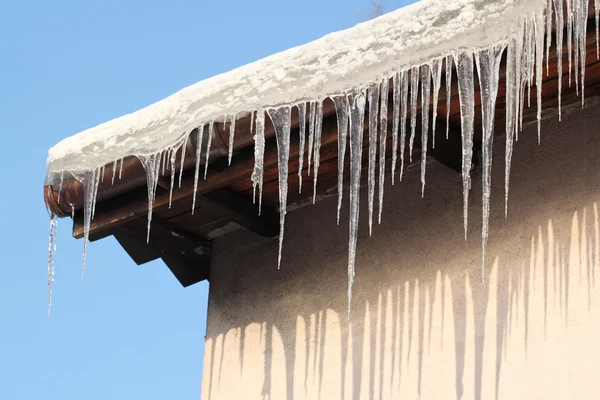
<point>423,323</point>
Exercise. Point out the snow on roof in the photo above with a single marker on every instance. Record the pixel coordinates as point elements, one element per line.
<point>334,64</point>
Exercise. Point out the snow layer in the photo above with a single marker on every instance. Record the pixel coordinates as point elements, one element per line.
<point>332,65</point>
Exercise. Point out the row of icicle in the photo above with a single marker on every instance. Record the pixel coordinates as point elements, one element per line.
<point>524,68</point>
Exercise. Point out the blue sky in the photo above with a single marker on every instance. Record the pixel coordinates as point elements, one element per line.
<point>124,331</point>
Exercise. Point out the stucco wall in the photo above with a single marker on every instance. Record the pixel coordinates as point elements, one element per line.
<point>423,323</point>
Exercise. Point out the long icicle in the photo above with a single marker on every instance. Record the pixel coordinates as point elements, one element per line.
<point>488,67</point>
<point>317,149</point>
<point>259,158</point>
<point>383,123</point>
<point>548,16</point>
<point>403,116</point>
<point>87,179</point>
<point>597,9</point>
<point>373,93</point>
<point>151,165</point>
<point>414,93</point>
<point>199,137</point>
<point>341,107</point>
<point>208,146</point>
<point>51,253</point>
<point>311,132</point>
<point>583,45</point>
<point>436,73</point>
<point>558,6</point>
<point>513,74</point>
<point>357,123</point>
<point>539,68</point>
<point>396,123</point>
<point>425,104</point>
<point>466,92</point>
<point>281,118</point>
<point>448,92</point>
<point>302,121</point>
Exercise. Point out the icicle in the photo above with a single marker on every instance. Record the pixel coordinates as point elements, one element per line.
<point>208,144</point>
<point>357,121</point>
<point>488,67</point>
<point>199,137</point>
<point>464,67</point>
<point>513,74</point>
<point>317,149</point>
<point>436,71</point>
<point>62,179</point>
<point>88,179</point>
<point>302,121</point>
<point>281,121</point>
<point>396,122</point>
<point>151,164</point>
<point>51,252</point>
<point>102,173</point>
<point>95,191</point>
<point>383,123</point>
<point>570,37</point>
<point>414,93</point>
<point>576,36</point>
<point>425,102</point>
<point>539,69</point>
<point>558,6</point>
<point>448,92</point>
<point>231,137</point>
<point>114,173</point>
<point>182,162</point>
<point>403,116</point>
<point>163,160</point>
<point>373,93</point>
<point>251,121</point>
<point>121,168</point>
<point>548,34</point>
<point>172,159</point>
<point>529,56</point>
<point>583,45</point>
<point>311,132</point>
<point>259,158</point>
<point>341,107</point>
<point>597,18</point>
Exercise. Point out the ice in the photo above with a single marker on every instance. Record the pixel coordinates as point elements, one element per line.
<point>357,123</point>
<point>60,185</point>
<point>373,94</point>
<point>539,68</point>
<point>597,18</point>
<point>199,137</point>
<point>311,132</point>
<point>383,124</point>
<point>570,37</point>
<point>341,107</point>
<point>317,149</point>
<point>436,73</point>
<point>182,161</point>
<point>425,103</point>
<point>558,6</point>
<point>513,79</point>
<point>414,93</point>
<point>172,159</point>
<point>51,253</point>
<point>548,16</point>
<point>231,138</point>
<point>488,68</point>
<point>403,116</point>
<point>121,169</point>
<point>114,173</point>
<point>88,180</point>
<point>259,158</point>
<point>281,118</point>
<point>583,13</point>
<point>151,165</point>
<point>96,184</point>
<point>396,122</point>
<point>464,67</point>
<point>448,92</point>
<point>302,122</point>
<point>208,145</point>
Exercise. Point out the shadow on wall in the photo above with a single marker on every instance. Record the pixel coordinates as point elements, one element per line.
<point>423,323</point>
